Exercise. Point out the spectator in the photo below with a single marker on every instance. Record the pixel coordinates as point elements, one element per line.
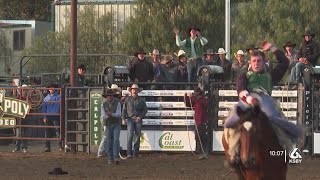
<point>110,115</point>
<point>308,55</point>
<point>251,48</point>
<point>141,70</point>
<point>291,54</point>
<point>168,70</point>
<point>22,131</point>
<point>208,59</point>
<point>224,63</point>
<point>157,68</point>
<point>51,105</point>
<point>200,104</point>
<point>134,110</point>
<point>81,80</point>
<point>238,65</point>
<point>193,47</point>
<point>180,71</point>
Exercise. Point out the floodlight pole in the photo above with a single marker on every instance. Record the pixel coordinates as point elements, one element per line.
<point>73,43</point>
<point>227,29</point>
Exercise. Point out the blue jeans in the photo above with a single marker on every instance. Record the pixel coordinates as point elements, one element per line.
<point>113,135</point>
<point>269,107</point>
<point>296,72</point>
<point>134,128</point>
<point>103,145</point>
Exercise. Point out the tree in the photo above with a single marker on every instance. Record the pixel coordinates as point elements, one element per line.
<point>153,23</point>
<point>6,54</point>
<point>277,21</point>
<point>26,9</point>
<point>94,37</point>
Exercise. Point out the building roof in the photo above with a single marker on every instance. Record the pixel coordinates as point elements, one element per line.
<point>97,1</point>
<point>11,25</point>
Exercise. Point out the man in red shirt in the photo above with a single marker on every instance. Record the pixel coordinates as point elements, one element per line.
<point>199,103</point>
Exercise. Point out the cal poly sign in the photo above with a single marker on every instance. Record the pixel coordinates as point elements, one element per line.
<point>13,107</point>
<point>95,113</point>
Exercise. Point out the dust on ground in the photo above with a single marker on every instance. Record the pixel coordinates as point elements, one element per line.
<point>149,166</point>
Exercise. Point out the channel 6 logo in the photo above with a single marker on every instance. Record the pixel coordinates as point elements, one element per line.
<point>295,156</point>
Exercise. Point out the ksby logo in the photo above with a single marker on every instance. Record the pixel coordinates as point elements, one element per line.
<point>295,156</point>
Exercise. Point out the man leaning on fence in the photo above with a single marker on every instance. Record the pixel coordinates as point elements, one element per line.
<point>51,109</point>
<point>134,110</point>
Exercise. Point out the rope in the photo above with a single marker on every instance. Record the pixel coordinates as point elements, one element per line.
<point>197,131</point>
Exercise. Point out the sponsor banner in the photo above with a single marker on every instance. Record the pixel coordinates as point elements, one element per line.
<point>284,105</point>
<point>159,92</point>
<point>286,113</point>
<point>175,140</point>
<point>163,140</point>
<point>169,122</point>
<point>229,105</point>
<point>275,93</point>
<point>165,105</point>
<point>284,93</point>
<point>7,122</point>
<point>179,113</point>
<point>217,141</point>
<point>15,107</point>
<point>230,93</point>
<point>146,140</point>
<point>95,113</point>
<point>289,105</point>
<point>316,144</point>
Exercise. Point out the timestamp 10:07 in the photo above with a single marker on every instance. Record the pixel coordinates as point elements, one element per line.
<point>276,153</point>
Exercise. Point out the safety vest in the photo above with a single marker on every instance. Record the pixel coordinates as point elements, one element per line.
<point>197,47</point>
<point>111,107</point>
<point>259,80</point>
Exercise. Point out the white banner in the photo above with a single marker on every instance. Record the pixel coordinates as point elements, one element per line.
<point>146,140</point>
<point>284,105</point>
<point>159,92</point>
<point>275,93</point>
<point>169,122</point>
<point>163,140</point>
<point>178,113</point>
<point>175,141</point>
<point>286,113</point>
<point>165,105</point>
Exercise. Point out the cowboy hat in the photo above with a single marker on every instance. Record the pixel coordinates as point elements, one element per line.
<point>82,66</point>
<point>192,27</point>
<point>108,92</point>
<point>181,53</point>
<point>57,171</point>
<point>221,51</point>
<point>116,88</point>
<point>209,52</point>
<point>289,44</point>
<point>239,52</point>
<point>139,52</point>
<point>166,59</point>
<point>308,32</point>
<point>155,52</point>
<point>252,47</point>
<point>134,86</point>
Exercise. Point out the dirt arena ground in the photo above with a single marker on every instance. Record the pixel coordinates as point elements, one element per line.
<point>36,165</point>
